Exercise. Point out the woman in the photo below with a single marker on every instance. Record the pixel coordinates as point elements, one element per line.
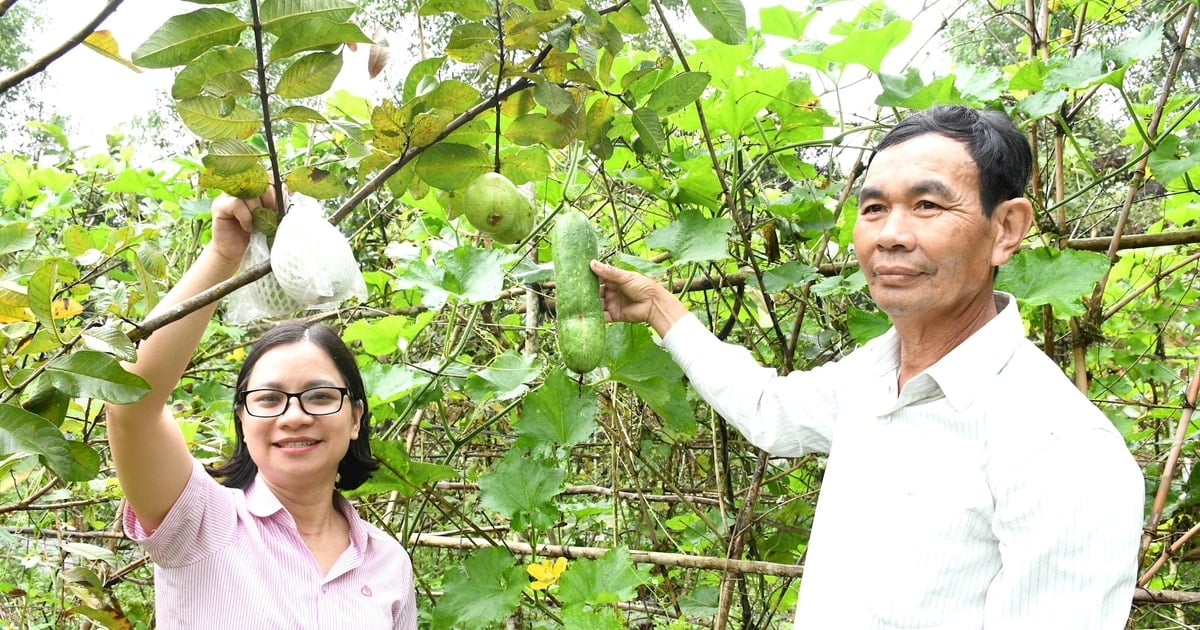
<point>275,546</point>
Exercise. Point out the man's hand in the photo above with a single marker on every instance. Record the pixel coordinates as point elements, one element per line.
<point>632,297</point>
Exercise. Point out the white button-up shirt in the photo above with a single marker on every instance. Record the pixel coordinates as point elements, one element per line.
<point>988,493</point>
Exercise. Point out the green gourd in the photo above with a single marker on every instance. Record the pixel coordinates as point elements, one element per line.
<point>577,296</point>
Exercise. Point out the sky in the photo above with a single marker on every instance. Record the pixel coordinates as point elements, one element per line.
<point>82,83</point>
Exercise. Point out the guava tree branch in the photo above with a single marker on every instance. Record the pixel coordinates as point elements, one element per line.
<point>5,5</point>
<point>41,64</point>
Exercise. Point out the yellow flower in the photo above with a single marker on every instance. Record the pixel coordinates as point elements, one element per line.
<point>546,573</point>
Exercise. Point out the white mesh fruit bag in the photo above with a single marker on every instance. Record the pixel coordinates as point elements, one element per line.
<point>312,267</point>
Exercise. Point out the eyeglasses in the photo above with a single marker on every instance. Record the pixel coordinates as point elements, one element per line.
<point>315,401</point>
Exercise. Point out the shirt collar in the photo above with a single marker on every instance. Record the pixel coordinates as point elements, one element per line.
<point>967,368</point>
<point>262,503</point>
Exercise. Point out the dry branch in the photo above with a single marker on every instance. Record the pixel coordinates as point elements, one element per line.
<point>41,64</point>
<point>648,557</point>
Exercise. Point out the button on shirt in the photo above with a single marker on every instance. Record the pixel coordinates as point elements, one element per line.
<point>987,493</point>
<point>225,558</point>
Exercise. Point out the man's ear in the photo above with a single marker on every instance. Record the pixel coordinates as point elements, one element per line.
<point>1012,220</point>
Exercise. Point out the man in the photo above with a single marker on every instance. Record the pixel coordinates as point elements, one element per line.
<point>968,483</point>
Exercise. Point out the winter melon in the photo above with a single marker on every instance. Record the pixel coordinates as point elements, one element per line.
<point>577,296</point>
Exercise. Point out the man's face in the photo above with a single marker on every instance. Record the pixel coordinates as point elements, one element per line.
<point>921,238</point>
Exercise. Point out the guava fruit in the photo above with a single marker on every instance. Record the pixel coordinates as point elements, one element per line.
<point>493,205</point>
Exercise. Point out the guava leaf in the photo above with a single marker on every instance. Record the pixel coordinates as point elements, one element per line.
<point>24,432</point>
<point>470,41</point>
<point>636,361</point>
<point>537,128</point>
<point>216,62</point>
<point>1049,276</point>
<point>16,236</point>
<point>309,75</point>
<point>110,339</point>
<point>278,16</point>
<point>560,411</point>
<point>103,42</point>
<point>650,130</point>
<point>677,92</point>
<point>522,488</point>
<point>725,20</point>
<point>316,182</point>
<point>315,34</point>
<point>610,578</point>
<point>483,590</point>
<point>93,374</point>
<point>182,38</point>
<point>230,157</point>
<point>212,119</point>
<point>693,238</point>
<point>507,377</point>
<point>451,166</point>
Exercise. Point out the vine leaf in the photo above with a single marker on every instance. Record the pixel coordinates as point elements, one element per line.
<point>507,377</point>
<point>522,488</point>
<point>559,411</point>
<point>636,361</point>
<point>608,579</point>
<point>483,590</point>
<point>693,238</point>
<point>398,472</point>
<point>1050,276</point>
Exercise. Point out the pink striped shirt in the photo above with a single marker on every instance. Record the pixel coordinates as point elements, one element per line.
<point>227,558</point>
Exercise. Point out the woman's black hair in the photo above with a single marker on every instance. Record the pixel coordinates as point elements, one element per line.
<point>358,464</point>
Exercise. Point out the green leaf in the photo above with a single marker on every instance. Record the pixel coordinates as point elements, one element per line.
<point>1049,276</point>
<point>184,37</point>
<point>635,360</point>
<point>93,374</point>
<point>422,72</point>
<point>315,34</point>
<point>578,618</point>
<point>1042,103</point>
<point>397,472</point>
<point>309,75</point>
<point>230,157</point>
<point>245,184</point>
<point>560,412</point>
<point>110,339</point>
<point>788,275</point>
<point>469,9</point>
<point>385,335</point>
<point>16,236</point>
<point>677,92</point>
<point>470,41</point>
<point>650,130</point>
<point>507,377</point>
<point>388,383</point>
<point>46,401</point>
<point>610,578</point>
<point>278,16</point>
<point>911,91</point>
<point>866,325</point>
<point>693,238</point>
<point>1172,159</point>
<point>214,63</point>
<point>522,488</point>
<point>784,22</point>
<point>24,432</point>
<point>530,164</point>
<point>42,287</point>
<point>723,19</point>
<point>868,47</point>
<point>301,114</point>
<point>204,115</point>
<point>483,590</point>
<point>473,274</point>
<point>451,166</point>
<point>555,99</point>
<point>537,128</point>
<point>1078,71</point>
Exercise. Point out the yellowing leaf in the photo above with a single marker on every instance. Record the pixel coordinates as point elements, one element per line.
<point>546,573</point>
<point>104,43</point>
<point>65,307</point>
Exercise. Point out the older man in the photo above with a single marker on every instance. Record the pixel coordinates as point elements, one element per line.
<point>968,484</point>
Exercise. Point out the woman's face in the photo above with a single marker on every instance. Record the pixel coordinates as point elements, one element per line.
<point>297,449</point>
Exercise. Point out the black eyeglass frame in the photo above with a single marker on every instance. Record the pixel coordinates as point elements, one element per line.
<point>345,391</point>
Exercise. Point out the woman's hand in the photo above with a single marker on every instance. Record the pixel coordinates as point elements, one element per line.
<point>233,222</point>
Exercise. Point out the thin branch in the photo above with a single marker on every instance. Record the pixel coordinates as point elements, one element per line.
<point>41,64</point>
